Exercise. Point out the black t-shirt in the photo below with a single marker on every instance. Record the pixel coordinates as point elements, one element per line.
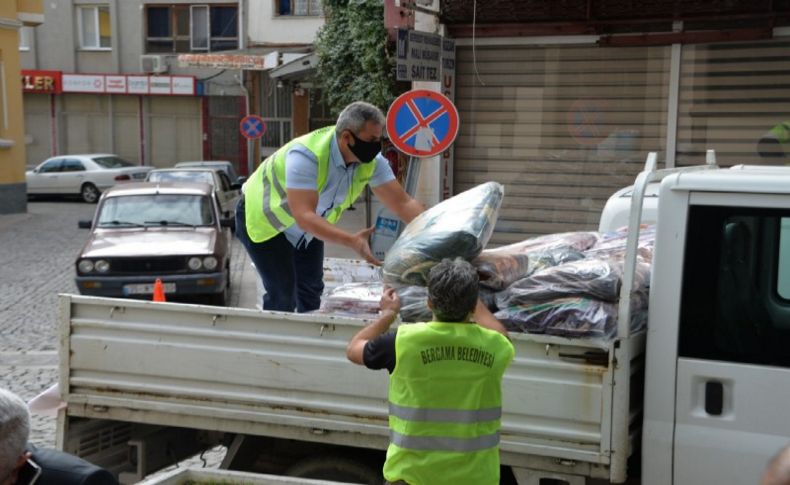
<point>379,353</point>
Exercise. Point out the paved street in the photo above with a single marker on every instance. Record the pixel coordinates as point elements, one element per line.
<point>36,264</point>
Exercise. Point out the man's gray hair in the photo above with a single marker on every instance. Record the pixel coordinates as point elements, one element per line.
<point>453,289</point>
<point>14,430</point>
<point>355,115</point>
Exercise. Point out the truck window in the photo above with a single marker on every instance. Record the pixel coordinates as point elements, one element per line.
<point>734,300</point>
<point>783,276</point>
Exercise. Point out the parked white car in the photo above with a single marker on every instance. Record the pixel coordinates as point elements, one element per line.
<point>227,193</point>
<point>225,165</point>
<point>84,175</point>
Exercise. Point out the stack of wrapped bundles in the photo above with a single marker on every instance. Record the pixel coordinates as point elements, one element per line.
<point>580,298</point>
<point>457,227</point>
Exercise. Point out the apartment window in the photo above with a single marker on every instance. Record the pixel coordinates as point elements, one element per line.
<point>94,27</point>
<point>25,35</point>
<point>191,28</point>
<point>299,7</point>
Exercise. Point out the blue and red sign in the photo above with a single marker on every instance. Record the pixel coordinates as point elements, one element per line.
<point>422,123</point>
<point>252,127</point>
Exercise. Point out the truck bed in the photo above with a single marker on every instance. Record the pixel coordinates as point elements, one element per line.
<point>286,375</point>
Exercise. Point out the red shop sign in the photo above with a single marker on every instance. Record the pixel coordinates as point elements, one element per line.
<point>48,82</point>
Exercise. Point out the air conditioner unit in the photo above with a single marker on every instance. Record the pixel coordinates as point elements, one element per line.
<point>154,64</point>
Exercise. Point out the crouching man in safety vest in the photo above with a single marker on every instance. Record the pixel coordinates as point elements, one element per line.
<point>293,200</point>
<point>445,388</point>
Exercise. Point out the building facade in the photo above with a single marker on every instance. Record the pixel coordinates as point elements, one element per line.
<point>16,16</point>
<point>116,86</point>
<point>562,101</point>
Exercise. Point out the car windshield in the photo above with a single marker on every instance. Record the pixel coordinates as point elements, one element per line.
<point>156,209</point>
<point>181,176</point>
<point>112,162</point>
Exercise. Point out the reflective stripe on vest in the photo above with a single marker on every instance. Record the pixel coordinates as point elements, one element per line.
<point>266,204</point>
<point>441,443</point>
<point>445,415</point>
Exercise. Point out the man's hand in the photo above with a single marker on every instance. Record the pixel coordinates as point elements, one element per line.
<point>361,245</point>
<point>486,319</point>
<point>390,306</point>
<point>390,301</point>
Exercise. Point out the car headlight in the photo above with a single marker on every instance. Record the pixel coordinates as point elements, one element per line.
<point>102,266</point>
<point>194,264</point>
<point>210,263</point>
<point>85,266</point>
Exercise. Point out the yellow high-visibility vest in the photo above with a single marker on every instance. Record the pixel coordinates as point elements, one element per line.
<point>445,404</point>
<point>266,205</point>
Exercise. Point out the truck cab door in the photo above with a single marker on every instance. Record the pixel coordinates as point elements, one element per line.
<point>733,368</point>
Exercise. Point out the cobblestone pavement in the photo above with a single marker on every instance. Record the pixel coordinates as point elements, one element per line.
<point>36,264</point>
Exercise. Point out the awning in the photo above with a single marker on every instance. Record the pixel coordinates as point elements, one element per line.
<point>297,69</point>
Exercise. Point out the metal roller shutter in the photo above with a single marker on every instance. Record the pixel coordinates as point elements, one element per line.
<point>562,127</point>
<point>85,122</point>
<point>175,130</point>
<point>731,96</point>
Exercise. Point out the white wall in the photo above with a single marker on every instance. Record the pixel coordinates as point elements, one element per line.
<point>266,28</point>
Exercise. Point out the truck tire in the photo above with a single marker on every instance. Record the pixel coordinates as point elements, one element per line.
<point>336,468</point>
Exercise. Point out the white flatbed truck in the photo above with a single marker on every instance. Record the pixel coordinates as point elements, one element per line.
<point>699,396</point>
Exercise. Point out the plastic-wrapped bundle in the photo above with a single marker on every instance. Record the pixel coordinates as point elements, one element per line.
<point>414,304</point>
<point>353,299</point>
<point>579,241</point>
<point>457,227</point>
<point>594,278</point>
<point>499,269</point>
<point>585,316</point>
<point>613,244</point>
<point>573,317</point>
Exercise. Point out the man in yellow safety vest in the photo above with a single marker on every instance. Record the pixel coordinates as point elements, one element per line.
<point>293,200</point>
<point>445,386</point>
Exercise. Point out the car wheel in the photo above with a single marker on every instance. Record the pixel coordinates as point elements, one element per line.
<point>89,193</point>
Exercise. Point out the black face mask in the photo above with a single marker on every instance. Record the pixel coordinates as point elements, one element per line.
<point>365,151</point>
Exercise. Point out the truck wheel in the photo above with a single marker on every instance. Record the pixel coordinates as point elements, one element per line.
<point>336,468</point>
<point>89,193</point>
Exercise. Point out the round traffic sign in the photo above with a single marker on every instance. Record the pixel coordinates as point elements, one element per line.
<point>252,127</point>
<point>422,123</point>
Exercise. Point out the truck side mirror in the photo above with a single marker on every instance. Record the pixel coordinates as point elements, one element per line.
<point>84,224</point>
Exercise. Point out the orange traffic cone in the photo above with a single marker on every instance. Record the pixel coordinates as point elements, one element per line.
<point>159,290</point>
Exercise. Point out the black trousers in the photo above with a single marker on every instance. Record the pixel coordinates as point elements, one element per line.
<point>293,278</point>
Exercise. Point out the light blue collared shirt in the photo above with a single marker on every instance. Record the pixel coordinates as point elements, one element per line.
<point>301,172</point>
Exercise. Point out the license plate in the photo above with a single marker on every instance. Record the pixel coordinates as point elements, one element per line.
<point>147,289</point>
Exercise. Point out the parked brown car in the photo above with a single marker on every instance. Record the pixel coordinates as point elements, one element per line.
<point>145,231</point>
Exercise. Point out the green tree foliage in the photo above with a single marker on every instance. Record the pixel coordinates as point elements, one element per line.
<point>353,62</point>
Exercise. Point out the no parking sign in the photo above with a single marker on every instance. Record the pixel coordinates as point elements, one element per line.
<point>422,123</point>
